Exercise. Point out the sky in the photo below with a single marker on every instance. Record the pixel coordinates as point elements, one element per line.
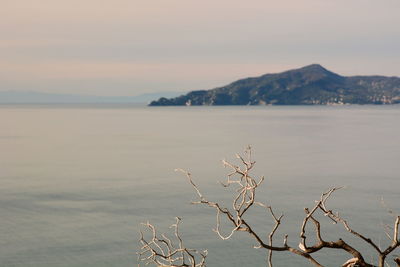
<point>131,47</point>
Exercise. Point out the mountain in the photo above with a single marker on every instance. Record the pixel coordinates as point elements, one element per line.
<point>31,97</point>
<point>309,85</point>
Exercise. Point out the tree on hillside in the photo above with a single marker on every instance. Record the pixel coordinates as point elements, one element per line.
<point>162,251</point>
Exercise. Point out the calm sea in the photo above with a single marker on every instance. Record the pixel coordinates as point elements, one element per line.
<point>77,180</point>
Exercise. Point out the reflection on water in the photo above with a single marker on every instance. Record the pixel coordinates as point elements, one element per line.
<point>76,181</point>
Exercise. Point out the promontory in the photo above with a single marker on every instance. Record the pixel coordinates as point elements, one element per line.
<point>310,85</point>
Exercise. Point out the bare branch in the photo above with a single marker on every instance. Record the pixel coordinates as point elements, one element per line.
<point>189,176</point>
<point>165,252</point>
<point>162,251</point>
<point>241,203</point>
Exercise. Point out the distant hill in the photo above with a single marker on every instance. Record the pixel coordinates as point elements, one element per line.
<point>31,97</point>
<point>310,85</point>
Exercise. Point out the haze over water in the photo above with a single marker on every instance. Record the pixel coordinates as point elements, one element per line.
<point>76,180</point>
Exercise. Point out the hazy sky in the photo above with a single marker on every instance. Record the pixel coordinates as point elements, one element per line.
<point>129,47</point>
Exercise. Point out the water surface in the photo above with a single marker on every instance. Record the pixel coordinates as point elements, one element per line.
<point>76,180</point>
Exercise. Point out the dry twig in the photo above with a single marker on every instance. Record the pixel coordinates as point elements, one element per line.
<point>244,199</point>
<point>163,252</point>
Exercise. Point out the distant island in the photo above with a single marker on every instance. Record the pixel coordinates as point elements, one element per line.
<point>33,97</point>
<point>310,85</point>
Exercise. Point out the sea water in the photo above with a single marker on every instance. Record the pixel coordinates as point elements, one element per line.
<point>76,181</point>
